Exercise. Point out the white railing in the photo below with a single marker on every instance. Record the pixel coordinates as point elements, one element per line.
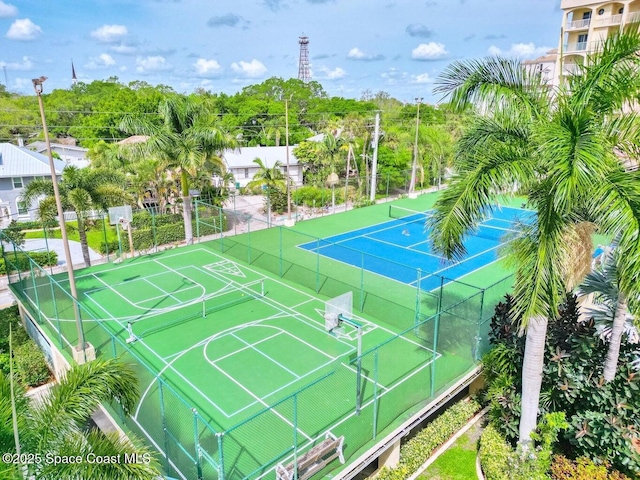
<point>633,17</point>
<point>609,20</point>
<point>575,47</point>
<point>578,24</point>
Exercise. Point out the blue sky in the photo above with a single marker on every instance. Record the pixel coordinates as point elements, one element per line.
<point>399,46</point>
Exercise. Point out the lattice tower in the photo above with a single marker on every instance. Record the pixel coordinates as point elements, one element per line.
<point>304,73</point>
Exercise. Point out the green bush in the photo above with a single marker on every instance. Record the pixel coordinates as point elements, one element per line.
<point>417,450</point>
<point>582,469</point>
<point>30,366</point>
<point>20,261</point>
<point>36,225</point>
<point>495,454</point>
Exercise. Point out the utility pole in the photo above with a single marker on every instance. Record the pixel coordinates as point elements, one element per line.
<point>81,351</point>
<point>412,184</point>
<point>289,222</point>
<point>374,160</point>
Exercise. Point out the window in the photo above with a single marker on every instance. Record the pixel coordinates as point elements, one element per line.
<point>246,173</point>
<point>601,11</point>
<point>17,182</point>
<point>582,42</point>
<point>621,10</point>
<point>22,208</point>
<point>586,15</point>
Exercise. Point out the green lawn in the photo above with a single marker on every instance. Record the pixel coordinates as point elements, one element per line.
<point>458,462</point>
<point>95,236</point>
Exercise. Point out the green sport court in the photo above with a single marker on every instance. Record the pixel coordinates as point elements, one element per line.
<point>237,371</point>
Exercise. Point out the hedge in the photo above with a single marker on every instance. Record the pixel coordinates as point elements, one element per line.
<point>21,261</point>
<point>495,454</point>
<point>582,469</point>
<point>417,450</point>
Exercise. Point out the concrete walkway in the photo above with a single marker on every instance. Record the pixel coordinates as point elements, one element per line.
<point>40,245</point>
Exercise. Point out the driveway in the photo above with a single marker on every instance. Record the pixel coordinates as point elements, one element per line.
<point>39,244</point>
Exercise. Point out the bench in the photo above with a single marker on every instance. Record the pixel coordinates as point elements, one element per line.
<point>314,460</point>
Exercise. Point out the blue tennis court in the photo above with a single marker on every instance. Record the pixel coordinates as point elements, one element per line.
<point>398,247</point>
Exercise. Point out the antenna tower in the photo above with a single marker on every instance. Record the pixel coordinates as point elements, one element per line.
<point>304,73</point>
<point>74,78</point>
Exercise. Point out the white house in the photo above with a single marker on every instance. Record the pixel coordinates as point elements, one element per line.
<point>18,167</point>
<point>70,154</point>
<point>240,163</point>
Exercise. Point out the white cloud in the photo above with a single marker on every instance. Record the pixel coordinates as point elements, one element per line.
<point>7,10</point>
<point>109,33</point>
<point>429,51</point>
<point>421,78</point>
<point>101,61</point>
<point>151,64</point>
<point>26,64</point>
<point>207,67</point>
<point>520,50</point>
<point>356,54</point>
<point>124,49</point>
<point>334,74</point>
<point>23,29</point>
<point>252,69</point>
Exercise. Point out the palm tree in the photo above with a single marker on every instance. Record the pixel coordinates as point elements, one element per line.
<point>269,179</point>
<point>559,150</point>
<point>611,308</point>
<point>81,190</point>
<point>56,424</point>
<point>186,139</point>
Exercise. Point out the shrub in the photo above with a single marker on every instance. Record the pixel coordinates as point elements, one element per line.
<point>582,469</point>
<point>30,366</point>
<point>20,261</point>
<point>417,450</point>
<point>495,455</point>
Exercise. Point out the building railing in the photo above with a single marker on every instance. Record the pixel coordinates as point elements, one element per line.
<point>575,47</point>
<point>609,20</point>
<point>578,24</point>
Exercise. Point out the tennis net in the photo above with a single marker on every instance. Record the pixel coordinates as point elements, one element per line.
<point>227,297</point>
<point>495,233</point>
<point>406,214</point>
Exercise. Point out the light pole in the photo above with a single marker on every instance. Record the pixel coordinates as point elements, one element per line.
<point>289,222</point>
<point>80,351</point>
<point>414,166</point>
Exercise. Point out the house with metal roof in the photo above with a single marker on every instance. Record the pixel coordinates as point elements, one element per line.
<point>240,163</point>
<point>18,167</point>
<point>70,154</point>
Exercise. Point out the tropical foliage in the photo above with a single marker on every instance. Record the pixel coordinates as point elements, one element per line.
<point>560,151</point>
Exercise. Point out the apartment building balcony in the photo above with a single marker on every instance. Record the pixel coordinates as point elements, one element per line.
<point>577,25</point>
<point>575,47</point>
<point>608,21</point>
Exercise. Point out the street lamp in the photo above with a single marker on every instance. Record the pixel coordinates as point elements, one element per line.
<point>414,166</point>
<point>82,352</point>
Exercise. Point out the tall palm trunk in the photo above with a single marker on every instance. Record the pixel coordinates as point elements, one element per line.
<point>532,367</point>
<point>186,208</point>
<point>611,362</point>
<point>82,233</point>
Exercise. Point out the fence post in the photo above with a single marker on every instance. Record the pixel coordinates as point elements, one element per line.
<point>106,241</point>
<point>436,329</point>
<point>318,266</point>
<point>221,454</point>
<point>164,426</point>
<point>362,282</point>
<point>35,289</point>
<point>249,241</point>
<point>280,255</point>
<point>153,230</point>
<point>295,436</point>
<point>55,310</point>
<point>418,281</point>
<point>375,393</point>
<point>197,220</point>
<point>196,443</point>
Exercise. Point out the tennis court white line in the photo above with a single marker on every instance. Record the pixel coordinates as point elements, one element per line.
<point>258,399</point>
<point>167,294</point>
<point>275,303</point>
<point>355,370</point>
<point>248,346</point>
<point>266,356</point>
<point>313,324</point>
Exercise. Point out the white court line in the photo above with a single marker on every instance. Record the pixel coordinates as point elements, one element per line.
<point>260,400</point>
<point>301,316</point>
<point>167,294</point>
<point>246,347</point>
<point>252,347</point>
<point>354,370</point>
